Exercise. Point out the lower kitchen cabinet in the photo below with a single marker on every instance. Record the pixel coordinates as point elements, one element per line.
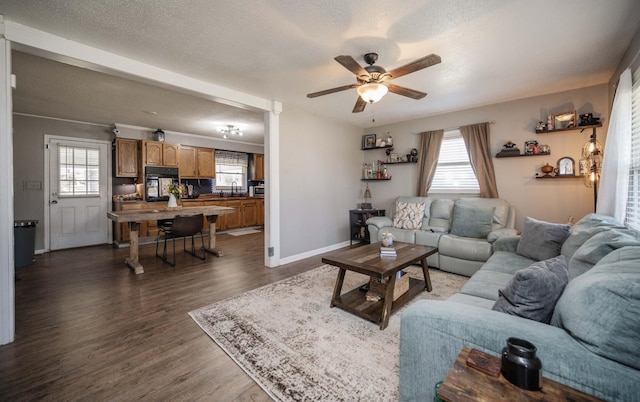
<point>234,220</point>
<point>260,212</point>
<point>249,213</point>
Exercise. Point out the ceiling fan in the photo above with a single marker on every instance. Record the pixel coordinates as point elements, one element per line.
<point>372,82</point>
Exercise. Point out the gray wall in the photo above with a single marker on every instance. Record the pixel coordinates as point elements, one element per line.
<point>28,162</point>
<point>552,200</point>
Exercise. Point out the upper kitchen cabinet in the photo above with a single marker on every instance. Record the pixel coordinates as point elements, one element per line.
<point>258,167</point>
<point>197,163</point>
<point>156,153</point>
<point>126,157</point>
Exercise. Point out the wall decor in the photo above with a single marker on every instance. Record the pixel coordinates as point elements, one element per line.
<point>564,120</point>
<point>368,141</point>
<point>531,147</point>
<point>566,166</point>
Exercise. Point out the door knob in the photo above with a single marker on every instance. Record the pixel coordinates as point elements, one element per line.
<point>54,201</point>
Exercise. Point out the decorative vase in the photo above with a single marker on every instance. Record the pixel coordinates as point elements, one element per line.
<point>173,203</point>
<point>520,365</point>
<point>546,169</point>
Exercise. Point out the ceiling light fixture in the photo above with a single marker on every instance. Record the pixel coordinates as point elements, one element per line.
<point>229,129</point>
<point>372,92</point>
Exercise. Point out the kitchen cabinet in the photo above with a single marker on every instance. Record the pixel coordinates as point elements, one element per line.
<point>249,213</point>
<point>260,212</point>
<point>234,220</point>
<point>196,163</point>
<point>126,157</point>
<point>157,153</point>
<point>258,166</point>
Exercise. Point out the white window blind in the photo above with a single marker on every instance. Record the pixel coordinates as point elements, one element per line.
<point>231,167</point>
<point>78,171</point>
<point>454,173</point>
<point>632,219</point>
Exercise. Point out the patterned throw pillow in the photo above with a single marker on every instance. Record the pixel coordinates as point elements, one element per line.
<point>408,215</point>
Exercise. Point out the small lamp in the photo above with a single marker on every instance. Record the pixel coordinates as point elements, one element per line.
<point>367,199</point>
<point>592,162</point>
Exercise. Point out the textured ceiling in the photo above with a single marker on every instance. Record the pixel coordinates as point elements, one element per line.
<point>491,50</point>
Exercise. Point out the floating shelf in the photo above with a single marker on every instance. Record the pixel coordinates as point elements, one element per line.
<point>372,148</point>
<point>569,129</point>
<point>397,163</point>
<point>559,177</point>
<point>375,179</point>
<point>498,155</point>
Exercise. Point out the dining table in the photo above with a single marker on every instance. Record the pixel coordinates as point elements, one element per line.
<point>134,217</point>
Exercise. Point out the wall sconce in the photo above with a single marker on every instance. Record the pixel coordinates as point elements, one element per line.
<point>591,164</point>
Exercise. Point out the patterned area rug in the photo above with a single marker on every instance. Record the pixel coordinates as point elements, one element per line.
<point>287,338</point>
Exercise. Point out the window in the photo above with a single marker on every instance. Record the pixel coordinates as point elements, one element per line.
<point>78,171</point>
<point>632,219</point>
<point>231,167</point>
<point>454,173</point>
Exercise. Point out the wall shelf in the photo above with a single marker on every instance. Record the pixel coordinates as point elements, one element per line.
<point>569,129</point>
<point>498,155</point>
<point>559,177</point>
<point>372,148</point>
<point>399,163</point>
<point>375,179</point>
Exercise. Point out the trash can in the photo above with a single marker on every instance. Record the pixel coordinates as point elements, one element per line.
<point>24,235</point>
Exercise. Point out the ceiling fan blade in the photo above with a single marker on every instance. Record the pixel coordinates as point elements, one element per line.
<point>332,90</point>
<point>350,64</point>
<point>359,106</point>
<point>411,93</point>
<point>416,65</point>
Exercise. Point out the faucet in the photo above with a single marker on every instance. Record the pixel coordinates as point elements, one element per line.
<point>234,187</point>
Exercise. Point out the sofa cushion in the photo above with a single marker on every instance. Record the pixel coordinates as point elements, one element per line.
<point>541,240</point>
<point>466,248</point>
<point>440,216</point>
<point>598,246</point>
<point>408,215</point>
<point>533,291</point>
<point>586,228</point>
<point>500,209</point>
<point>472,221</point>
<point>486,284</point>
<point>601,308</point>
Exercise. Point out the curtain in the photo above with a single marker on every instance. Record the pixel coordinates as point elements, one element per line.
<point>231,158</point>
<point>614,178</point>
<point>430,143</point>
<point>477,138</point>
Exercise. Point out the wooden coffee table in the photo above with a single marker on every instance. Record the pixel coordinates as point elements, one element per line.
<point>366,260</point>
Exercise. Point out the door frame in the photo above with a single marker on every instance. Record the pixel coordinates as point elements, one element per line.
<point>47,184</point>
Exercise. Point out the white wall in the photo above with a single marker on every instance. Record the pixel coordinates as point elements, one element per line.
<point>319,180</point>
<point>551,200</point>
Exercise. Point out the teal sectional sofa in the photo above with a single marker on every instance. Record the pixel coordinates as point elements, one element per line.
<point>592,342</point>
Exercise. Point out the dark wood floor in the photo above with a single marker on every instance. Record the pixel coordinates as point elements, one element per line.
<point>87,328</point>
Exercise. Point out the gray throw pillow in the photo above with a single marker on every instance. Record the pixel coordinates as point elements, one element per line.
<point>534,291</point>
<point>472,221</point>
<point>542,240</point>
<point>601,308</point>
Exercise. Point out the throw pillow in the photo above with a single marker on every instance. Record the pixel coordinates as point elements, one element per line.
<point>471,221</point>
<point>408,215</point>
<point>534,291</point>
<point>542,240</point>
<point>601,308</point>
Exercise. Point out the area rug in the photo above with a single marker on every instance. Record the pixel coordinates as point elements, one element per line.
<point>287,338</point>
<point>243,232</point>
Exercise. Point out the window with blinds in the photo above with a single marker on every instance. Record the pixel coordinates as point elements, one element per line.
<point>454,173</point>
<point>78,171</point>
<point>632,219</point>
<point>231,167</point>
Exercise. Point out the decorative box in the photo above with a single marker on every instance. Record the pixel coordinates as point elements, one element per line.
<point>402,285</point>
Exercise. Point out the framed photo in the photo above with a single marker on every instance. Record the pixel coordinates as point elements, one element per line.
<point>564,120</point>
<point>368,141</point>
<point>531,147</point>
<point>566,166</point>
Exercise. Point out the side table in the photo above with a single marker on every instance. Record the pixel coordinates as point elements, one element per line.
<point>358,224</point>
<point>464,383</point>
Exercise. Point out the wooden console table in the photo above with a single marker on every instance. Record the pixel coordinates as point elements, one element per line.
<point>133,218</point>
<point>464,383</point>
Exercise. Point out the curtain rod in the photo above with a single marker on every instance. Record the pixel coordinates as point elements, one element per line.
<point>456,128</point>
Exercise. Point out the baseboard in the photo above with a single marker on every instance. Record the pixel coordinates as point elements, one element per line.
<point>312,253</point>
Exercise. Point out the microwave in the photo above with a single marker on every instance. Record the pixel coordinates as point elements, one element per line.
<point>258,191</point>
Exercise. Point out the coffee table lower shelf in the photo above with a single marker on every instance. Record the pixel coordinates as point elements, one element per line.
<point>356,303</point>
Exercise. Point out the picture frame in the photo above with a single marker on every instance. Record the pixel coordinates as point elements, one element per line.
<point>566,166</point>
<point>530,147</point>
<point>368,141</point>
<point>565,120</point>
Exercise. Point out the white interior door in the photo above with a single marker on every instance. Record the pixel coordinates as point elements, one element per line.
<point>78,193</point>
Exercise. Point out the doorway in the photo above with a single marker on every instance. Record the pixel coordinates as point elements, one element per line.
<point>77,192</point>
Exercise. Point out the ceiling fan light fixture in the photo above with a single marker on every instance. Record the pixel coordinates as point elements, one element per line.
<point>372,92</point>
<point>229,129</point>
